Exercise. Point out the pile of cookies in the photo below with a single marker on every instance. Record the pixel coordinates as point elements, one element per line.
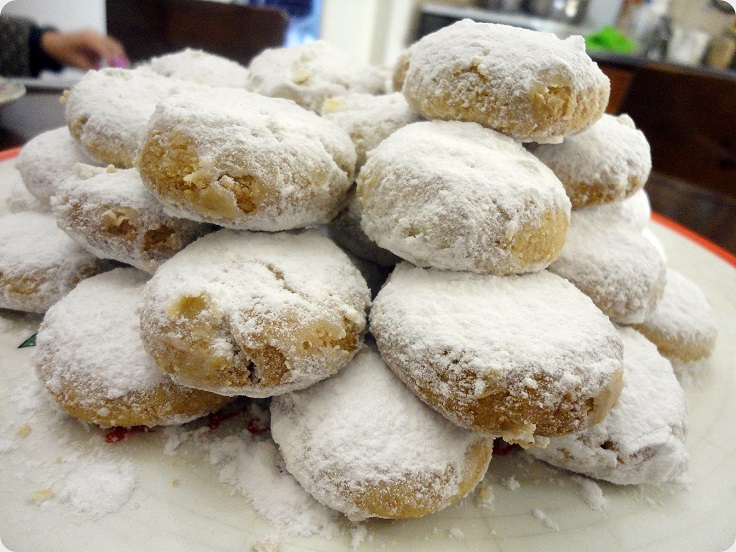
<point>506,206</point>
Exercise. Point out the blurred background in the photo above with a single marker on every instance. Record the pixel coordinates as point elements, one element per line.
<point>672,65</point>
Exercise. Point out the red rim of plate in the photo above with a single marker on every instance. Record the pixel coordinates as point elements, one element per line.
<point>656,217</point>
<point>697,238</point>
<point>10,153</point>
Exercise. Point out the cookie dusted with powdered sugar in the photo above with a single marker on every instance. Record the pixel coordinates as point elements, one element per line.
<point>39,263</point>
<point>529,85</point>
<point>107,111</point>
<point>201,67</point>
<point>310,73</point>
<point>608,161</point>
<point>405,462</point>
<point>458,196</point>
<point>368,119</point>
<point>683,326</point>
<point>613,264</point>
<point>243,313</point>
<point>90,357</point>
<point>245,161</point>
<point>633,212</point>
<point>47,160</point>
<point>642,440</point>
<point>114,216</point>
<point>519,356</point>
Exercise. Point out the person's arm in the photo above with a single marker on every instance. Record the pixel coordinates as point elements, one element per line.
<point>26,49</point>
<point>86,49</point>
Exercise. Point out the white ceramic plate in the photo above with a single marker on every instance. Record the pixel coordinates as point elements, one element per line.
<point>10,91</point>
<point>202,514</point>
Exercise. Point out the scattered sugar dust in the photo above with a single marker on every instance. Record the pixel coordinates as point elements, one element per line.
<point>58,467</point>
<point>591,492</point>
<point>547,521</point>
<point>251,464</point>
<point>98,486</point>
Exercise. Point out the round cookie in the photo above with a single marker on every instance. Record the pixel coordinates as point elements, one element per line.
<point>310,73</point>
<point>368,119</point>
<point>47,160</point>
<point>633,212</point>
<point>519,356</point>
<point>529,85</point>
<point>90,357</point>
<point>107,111</point>
<point>245,161</point>
<point>242,313</point>
<point>346,231</point>
<point>404,463</point>
<point>459,196</point>
<point>614,265</point>
<point>608,161</point>
<point>201,67</point>
<point>642,440</point>
<point>39,263</point>
<point>683,326</point>
<point>114,216</point>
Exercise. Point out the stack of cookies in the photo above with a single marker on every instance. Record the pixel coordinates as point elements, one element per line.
<point>507,207</point>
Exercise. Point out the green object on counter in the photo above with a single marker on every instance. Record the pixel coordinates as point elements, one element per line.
<point>609,39</point>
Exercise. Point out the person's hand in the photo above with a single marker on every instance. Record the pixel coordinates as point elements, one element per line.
<point>85,49</point>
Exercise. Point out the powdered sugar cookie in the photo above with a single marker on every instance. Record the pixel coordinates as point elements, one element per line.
<point>47,160</point>
<point>633,212</point>
<point>346,231</point>
<point>518,356</point>
<point>407,462</point>
<point>529,85</point>
<point>311,73</point>
<point>683,326</point>
<point>90,357</point>
<point>642,440</point>
<point>614,265</point>
<point>242,313</point>
<point>107,111</point>
<point>368,119</point>
<point>114,216</point>
<point>201,67</point>
<point>39,263</point>
<point>608,161</point>
<point>241,160</point>
<point>458,196</point>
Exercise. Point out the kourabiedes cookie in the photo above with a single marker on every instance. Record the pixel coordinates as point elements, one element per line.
<point>245,161</point>
<point>518,356</point>
<point>244,313</point>
<point>114,216</point>
<point>608,161</point>
<point>642,440</point>
<point>458,196</point>
<point>310,73</point>
<point>47,160</point>
<point>529,85</point>
<point>90,357</point>
<point>107,111</point>
<point>39,263</point>
<point>362,444</point>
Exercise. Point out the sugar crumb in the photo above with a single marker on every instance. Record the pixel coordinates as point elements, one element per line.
<point>456,533</point>
<point>511,483</point>
<point>548,522</point>
<point>271,543</point>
